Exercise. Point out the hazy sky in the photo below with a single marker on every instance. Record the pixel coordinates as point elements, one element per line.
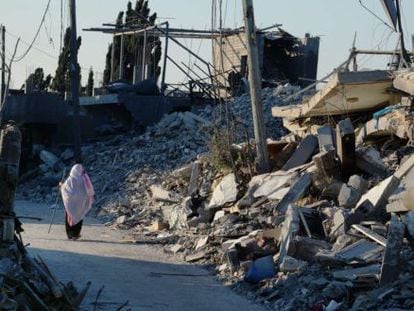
<point>335,21</point>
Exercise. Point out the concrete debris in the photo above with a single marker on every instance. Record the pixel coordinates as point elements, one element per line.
<point>31,285</point>
<point>310,234</point>
<point>303,153</point>
<point>391,261</point>
<point>225,192</point>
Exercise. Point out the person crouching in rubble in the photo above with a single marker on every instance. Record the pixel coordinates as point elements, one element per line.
<point>78,196</point>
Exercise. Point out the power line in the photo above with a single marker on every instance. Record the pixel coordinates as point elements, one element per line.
<point>43,51</point>
<point>18,59</point>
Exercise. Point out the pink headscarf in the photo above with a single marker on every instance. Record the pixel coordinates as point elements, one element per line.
<point>77,194</point>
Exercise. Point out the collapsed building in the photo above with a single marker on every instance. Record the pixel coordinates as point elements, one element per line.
<point>283,58</point>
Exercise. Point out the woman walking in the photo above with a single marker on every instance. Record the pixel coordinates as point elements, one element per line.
<point>78,196</point>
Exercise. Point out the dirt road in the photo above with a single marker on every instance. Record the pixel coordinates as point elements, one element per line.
<point>142,275</point>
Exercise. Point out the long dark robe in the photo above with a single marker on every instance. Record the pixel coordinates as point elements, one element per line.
<point>73,232</point>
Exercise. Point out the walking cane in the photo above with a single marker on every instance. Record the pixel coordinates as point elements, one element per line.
<point>56,203</point>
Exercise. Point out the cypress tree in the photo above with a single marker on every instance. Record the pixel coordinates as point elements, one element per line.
<point>89,85</point>
<point>139,17</point>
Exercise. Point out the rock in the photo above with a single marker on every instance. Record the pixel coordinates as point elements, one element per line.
<point>348,196</point>
<point>160,194</point>
<point>225,192</point>
<point>67,155</point>
<point>178,215</point>
<point>218,215</point>
<point>351,193</point>
<point>51,160</point>
<point>121,219</point>
<point>157,226</point>
<point>202,242</point>
<point>290,264</point>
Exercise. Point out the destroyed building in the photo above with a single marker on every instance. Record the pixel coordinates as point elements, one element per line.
<point>283,58</point>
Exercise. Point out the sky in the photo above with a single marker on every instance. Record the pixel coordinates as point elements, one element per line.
<point>335,21</point>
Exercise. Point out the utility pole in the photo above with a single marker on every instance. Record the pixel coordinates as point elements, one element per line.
<point>74,80</point>
<point>3,62</point>
<point>404,53</point>
<point>10,149</point>
<point>121,59</point>
<point>255,81</point>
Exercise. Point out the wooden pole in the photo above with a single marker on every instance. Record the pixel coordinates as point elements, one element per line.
<point>404,53</point>
<point>121,59</point>
<point>255,81</point>
<point>112,78</point>
<point>164,67</point>
<point>74,79</point>
<point>144,58</point>
<point>3,61</point>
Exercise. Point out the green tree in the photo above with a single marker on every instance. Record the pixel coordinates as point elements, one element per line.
<point>61,81</point>
<point>138,18</point>
<point>89,85</point>
<point>38,80</point>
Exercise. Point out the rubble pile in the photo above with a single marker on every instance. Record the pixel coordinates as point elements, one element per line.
<point>240,111</point>
<point>28,284</point>
<point>177,139</point>
<point>328,228</point>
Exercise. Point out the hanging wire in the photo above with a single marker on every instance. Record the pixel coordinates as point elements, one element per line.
<point>61,25</point>
<point>18,59</point>
<point>375,15</point>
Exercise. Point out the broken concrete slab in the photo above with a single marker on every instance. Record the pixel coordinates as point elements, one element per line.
<point>290,228</point>
<point>326,138</point>
<point>390,264</point>
<point>225,192</point>
<point>404,81</point>
<point>296,192</point>
<point>269,184</point>
<point>378,195</point>
<point>348,196</point>
<point>345,140</point>
<point>284,155</point>
<point>328,166</point>
<point>305,248</point>
<point>195,173</point>
<point>371,234</point>
<point>359,183</point>
<point>290,264</point>
<point>303,153</point>
<point>353,274</point>
<point>351,193</point>
<point>361,251</point>
<point>201,254</point>
<point>405,168</point>
<point>369,161</point>
<point>335,223</point>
